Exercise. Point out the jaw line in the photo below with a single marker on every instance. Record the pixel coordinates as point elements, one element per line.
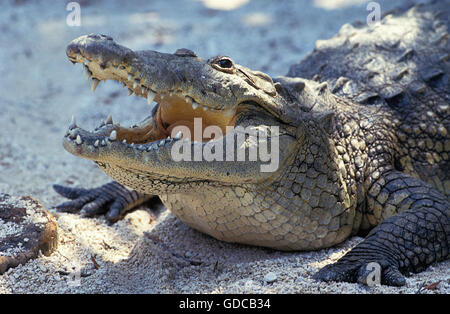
<point>153,161</point>
<point>110,139</point>
<point>98,72</point>
<point>154,158</point>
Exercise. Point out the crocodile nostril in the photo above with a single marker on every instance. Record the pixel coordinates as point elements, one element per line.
<point>106,37</point>
<point>183,52</point>
<point>94,36</point>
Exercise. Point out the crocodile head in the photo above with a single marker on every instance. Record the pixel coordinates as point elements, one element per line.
<point>217,93</point>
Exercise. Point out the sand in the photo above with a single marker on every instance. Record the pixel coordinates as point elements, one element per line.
<point>41,90</point>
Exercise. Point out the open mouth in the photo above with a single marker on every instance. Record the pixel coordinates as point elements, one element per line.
<point>174,108</point>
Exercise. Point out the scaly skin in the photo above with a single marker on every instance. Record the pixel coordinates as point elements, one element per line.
<point>370,152</point>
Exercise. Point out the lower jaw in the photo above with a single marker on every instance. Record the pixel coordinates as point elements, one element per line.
<point>110,139</point>
<point>132,164</point>
<point>155,159</point>
<point>149,134</point>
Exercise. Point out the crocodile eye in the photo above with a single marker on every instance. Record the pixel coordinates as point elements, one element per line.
<point>225,63</point>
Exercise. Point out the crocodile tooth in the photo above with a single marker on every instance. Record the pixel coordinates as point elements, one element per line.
<point>103,143</point>
<point>168,138</point>
<point>113,135</point>
<point>87,72</point>
<point>194,105</point>
<point>73,123</point>
<point>109,120</point>
<point>188,99</point>
<point>171,93</point>
<point>96,143</point>
<point>94,84</point>
<point>161,143</point>
<point>78,140</point>
<point>154,146</point>
<point>130,77</point>
<point>150,96</point>
<point>143,90</point>
<point>178,135</point>
<point>135,84</point>
<point>124,141</point>
<point>130,92</point>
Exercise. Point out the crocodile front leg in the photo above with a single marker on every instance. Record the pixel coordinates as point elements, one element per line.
<point>111,199</point>
<point>406,242</point>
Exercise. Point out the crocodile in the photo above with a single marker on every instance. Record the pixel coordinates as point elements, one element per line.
<point>359,127</point>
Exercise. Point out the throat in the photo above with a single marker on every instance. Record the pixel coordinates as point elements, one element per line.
<point>175,114</point>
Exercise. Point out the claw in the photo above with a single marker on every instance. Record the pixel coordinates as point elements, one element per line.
<point>393,277</point>
<point>372,273</point>
<point>336,272</point>
<point>112,199</point>
<point>94,84</point>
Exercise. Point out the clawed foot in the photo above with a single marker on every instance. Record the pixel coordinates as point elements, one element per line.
<point>111,199</point>
<point>371,273</point>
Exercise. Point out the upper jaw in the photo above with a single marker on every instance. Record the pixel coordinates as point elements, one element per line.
<point>149,74</point>
<point>101,63</point>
